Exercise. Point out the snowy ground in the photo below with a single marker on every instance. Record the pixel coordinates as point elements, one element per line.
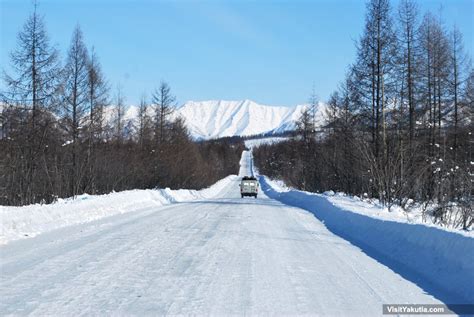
<point>368,207</point>
<point>217,255</point>
<point>29,221</point>
<point>438,259</point>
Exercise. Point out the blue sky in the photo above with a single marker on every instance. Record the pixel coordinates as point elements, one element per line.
<point>269,51</point>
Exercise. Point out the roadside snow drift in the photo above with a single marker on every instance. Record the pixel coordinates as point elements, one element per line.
<point>28,221</point>
<point>440,261</point>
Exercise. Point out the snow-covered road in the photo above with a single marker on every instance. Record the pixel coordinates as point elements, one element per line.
<point>219,256</point>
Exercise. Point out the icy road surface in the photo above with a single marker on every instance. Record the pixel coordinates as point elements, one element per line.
<point>222,256</point>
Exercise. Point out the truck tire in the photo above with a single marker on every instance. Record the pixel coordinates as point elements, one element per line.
<point>255,196</point>
<point>241,196</point>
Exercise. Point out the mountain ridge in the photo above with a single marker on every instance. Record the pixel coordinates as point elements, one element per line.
<point>212,119</point>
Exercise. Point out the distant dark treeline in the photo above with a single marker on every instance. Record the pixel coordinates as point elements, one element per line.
<point>399,128</point>
<point>55,140</point>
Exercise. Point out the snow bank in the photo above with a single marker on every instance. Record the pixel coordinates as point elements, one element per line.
<point>438,260</point>
<point>28,221</point>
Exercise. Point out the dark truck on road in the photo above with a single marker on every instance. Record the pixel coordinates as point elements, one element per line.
<point>248,186</point>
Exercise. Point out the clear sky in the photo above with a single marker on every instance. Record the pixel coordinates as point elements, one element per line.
<point>269,51</point>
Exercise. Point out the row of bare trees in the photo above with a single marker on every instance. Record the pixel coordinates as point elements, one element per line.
<point>399,127</point>
<point>61,133</point>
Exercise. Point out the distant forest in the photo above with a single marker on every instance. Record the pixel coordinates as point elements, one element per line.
<point>55,141</point>
<point>399,127</point>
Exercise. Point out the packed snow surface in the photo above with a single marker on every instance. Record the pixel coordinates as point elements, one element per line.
<point>215,255</point>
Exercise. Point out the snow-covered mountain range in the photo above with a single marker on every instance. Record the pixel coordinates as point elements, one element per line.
<point>218,118</point>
